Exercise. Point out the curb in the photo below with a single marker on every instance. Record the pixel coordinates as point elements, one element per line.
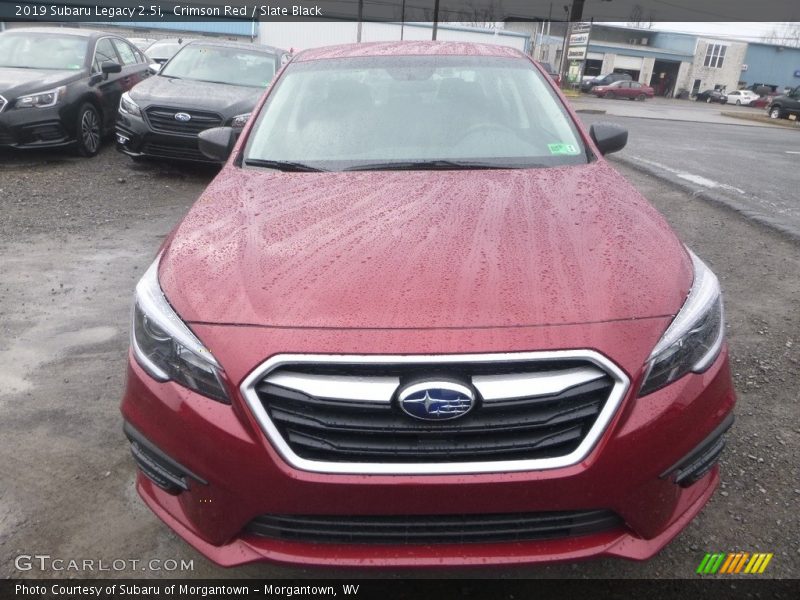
<point>720,199</point>
<point>762,119</point>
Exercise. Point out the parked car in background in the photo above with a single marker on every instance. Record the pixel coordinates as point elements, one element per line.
<point>62,86</point>
<point>161,51</point>
<point>741,97</point>
<point>419,320</point>
<point>712,96</point>
<point>206,84</point>
<point>608,79</point>
<point>785,105</point>
<point>762,101</point>
<point>632,90</point>
<point>554,74</point>
<point>142,43</point>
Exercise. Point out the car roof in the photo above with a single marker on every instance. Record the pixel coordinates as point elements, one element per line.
<point>407,49</point>
<point>230,44</point>
<point>87,33</point>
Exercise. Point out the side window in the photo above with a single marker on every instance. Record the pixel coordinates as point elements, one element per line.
<point>126,53</point>
<point>103,51</point>
<point>635,84</point>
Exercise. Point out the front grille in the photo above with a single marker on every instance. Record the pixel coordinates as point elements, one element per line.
<point>434,529</point>
<point>162,119</point>
<point>2,103</point>
<point>349,413</point>
<point>46,132</point>
<point>176,151</point>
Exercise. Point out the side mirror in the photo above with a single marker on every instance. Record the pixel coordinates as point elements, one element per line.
<point>154,67</point>
<point>608,137</point>
<point>216,143</point>
<point>110,67</point>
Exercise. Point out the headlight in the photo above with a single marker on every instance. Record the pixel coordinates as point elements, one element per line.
<point>127,105</point>
<point>42,99</point>
<point>239,121</point>
<point>165,347</point>
<point>693,340</point>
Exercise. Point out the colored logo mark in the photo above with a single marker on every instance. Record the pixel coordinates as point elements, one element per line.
<point>732,563</point>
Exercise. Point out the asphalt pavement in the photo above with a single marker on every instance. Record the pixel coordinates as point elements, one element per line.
<point>753,169</point>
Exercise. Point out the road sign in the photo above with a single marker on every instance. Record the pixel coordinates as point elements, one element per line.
<point>581,27</point>
<point>578,53</point>
<point>579,39</point>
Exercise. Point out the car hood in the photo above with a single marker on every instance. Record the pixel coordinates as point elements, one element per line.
<point>423,249</point>
<point>14,82</point>
<point>183,93</point>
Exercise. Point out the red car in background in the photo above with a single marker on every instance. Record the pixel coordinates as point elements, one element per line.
<point>762,101</point>
<point>632,90</point>
<point>418,319</point>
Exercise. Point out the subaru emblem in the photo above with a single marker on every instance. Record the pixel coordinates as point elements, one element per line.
<point>436,400</point>
<point>182,116</point>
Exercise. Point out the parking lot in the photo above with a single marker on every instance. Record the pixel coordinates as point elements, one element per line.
<point>75,236</point>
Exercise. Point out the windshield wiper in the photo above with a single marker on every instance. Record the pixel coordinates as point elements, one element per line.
<point>281,165</point>
<point>422,165</point>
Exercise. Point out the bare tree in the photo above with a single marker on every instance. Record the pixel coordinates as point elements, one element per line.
<point>786,34</point>
<point>638,19</point>
<point>484,16</point>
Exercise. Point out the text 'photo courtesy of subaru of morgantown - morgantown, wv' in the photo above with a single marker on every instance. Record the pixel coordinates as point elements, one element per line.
<point>400,290</point>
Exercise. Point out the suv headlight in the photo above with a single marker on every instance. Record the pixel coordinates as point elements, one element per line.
<point>693,340</point>
<point>127,105</point>
<point>42,99</point>
<point>239,121</point>
<point>165,347</point>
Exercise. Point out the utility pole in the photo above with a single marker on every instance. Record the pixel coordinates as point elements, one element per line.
<point>402,19</point>
<point>435,19</point>
<point>360,15</point>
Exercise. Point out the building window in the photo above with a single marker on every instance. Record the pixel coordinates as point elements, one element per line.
<point>715,54</point>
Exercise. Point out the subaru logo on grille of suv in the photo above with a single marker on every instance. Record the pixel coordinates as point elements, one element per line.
<point>436,400</point>
<point>182,116</point>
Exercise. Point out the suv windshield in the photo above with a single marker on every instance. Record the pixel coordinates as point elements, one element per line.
<point>409,112</point>
<point>218,64</point>
<point>42,51</point>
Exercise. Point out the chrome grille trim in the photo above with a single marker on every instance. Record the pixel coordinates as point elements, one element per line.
<point>531,385</point>
<point>338,387</point>
<point>248,391</point>
<point>3,103</point>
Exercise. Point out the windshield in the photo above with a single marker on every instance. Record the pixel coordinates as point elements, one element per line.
<point>402,112</point>
<point>42,51</point>
<point>218,64</point>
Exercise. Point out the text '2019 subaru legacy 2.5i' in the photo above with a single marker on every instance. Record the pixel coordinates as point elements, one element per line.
<point>206,84</point>
<point>418,319</point>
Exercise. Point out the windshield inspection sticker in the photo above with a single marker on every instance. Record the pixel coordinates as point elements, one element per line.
<point>563,149</point>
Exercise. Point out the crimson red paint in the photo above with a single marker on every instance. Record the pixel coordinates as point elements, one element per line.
<point>426,264</point>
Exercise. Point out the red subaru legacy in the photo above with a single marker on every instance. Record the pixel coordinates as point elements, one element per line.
<point>418,319</point>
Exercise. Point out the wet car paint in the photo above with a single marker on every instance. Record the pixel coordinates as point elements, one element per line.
<point>245,209</point>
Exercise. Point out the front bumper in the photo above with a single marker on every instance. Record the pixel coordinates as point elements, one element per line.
<point>33,128</point>
<point>631,471</point>
<point>137,139</point>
